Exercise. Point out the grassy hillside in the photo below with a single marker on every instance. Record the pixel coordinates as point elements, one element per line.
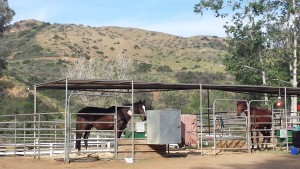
<point>197,53</point>
<point>38,52</point>
<point>32,47</point>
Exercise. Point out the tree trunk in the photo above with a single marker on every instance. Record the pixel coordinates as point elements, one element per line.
<point>294,66</point>
<point>263,73</point>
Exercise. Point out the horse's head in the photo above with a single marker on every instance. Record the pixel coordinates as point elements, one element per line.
<point>241,106</point>
<point>140,108</point>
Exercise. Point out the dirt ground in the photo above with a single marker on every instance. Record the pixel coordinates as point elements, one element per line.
<point>262,160</point>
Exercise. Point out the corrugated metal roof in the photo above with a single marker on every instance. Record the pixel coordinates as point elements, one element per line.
<point>95,84</point>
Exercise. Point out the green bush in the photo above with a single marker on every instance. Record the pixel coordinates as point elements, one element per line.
<point>4,53</point>
<point>164,68</point>
<point>95,47</point>
<point>143,68</point>
<point>37,48</point>
<point>26,62</point>
<point>184,68</point>
<point>56,36</point>
<point>6,84</point>
<point>100,52</point>
<point>23,33</point>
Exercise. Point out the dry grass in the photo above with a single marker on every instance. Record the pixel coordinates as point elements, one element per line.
<point>155,48</point>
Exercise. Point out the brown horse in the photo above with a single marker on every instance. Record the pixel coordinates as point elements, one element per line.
<point>103,119</point>
<point>261,120</point>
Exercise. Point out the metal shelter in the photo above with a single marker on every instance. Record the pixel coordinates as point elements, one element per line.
<point>133,87</point>
<point>109,85</point>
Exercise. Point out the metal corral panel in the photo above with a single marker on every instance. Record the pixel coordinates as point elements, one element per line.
<point>163,127</point>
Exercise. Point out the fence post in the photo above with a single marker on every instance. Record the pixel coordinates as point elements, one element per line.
<point>51,148</point>
<point>24,135</point>
<point>15,147</point>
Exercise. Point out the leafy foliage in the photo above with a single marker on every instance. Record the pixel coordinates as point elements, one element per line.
<point>260,38</point>
<point>164,68</point>
<point>3,65</point>
<point>14,105</point>
<point>143,67</point>
<point>199,77</point>
<point>6,16</point>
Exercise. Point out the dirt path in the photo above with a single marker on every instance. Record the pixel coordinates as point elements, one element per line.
<point>265,160</point>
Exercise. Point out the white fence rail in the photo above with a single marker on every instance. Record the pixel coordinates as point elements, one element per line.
<point>43,134</point>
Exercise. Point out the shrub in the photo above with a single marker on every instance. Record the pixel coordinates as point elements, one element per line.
<point>23,33</point>
<point>199,77</point>
<point>95,47</point>
<point>4,53</point>
<point>26,62</point>
<point>164,68</point>
<point>205,38</point>
<point>100,52</point>
<point>6,84</point>
<point>56,36</point>
<point>37,48</point>
<point>196,66</point>
<point>184,68</point>
<point>143,68</point>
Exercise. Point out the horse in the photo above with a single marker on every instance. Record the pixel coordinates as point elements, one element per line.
<point>85,122</point>
<point>261,119</point>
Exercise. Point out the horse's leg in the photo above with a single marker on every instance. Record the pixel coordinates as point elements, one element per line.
<point>267,138</point>
<point>85,138</point>
<point>119,134</point>
<point>252,139</point>
<point>257,140</point>
<point>121,125</point>
<point>86,135</point>
<point>120,131</point>
<point>78,140</point>
<point>263,140</point>
<point>79,131</point>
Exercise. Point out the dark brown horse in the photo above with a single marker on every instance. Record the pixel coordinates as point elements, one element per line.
<point>103,119</point>
<point>260,119</point>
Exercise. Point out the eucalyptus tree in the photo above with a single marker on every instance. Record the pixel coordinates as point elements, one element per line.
<point>262,40</point>
<point>284,36</point>
<point>6,16</point>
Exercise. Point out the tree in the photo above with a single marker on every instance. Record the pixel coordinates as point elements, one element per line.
<point>119,69</point>
<point>3,65</point>
<point>143,67</point>
<point>262,39</point>
<point>6,16</point>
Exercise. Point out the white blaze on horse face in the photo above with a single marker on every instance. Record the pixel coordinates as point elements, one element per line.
<point>144,108</point>
<point>130,113</point>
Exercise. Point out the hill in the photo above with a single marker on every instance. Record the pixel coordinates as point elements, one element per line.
<point>37,52</point>
<point>32,47</point>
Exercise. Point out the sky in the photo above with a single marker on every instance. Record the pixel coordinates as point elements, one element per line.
<point>174,17</point>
